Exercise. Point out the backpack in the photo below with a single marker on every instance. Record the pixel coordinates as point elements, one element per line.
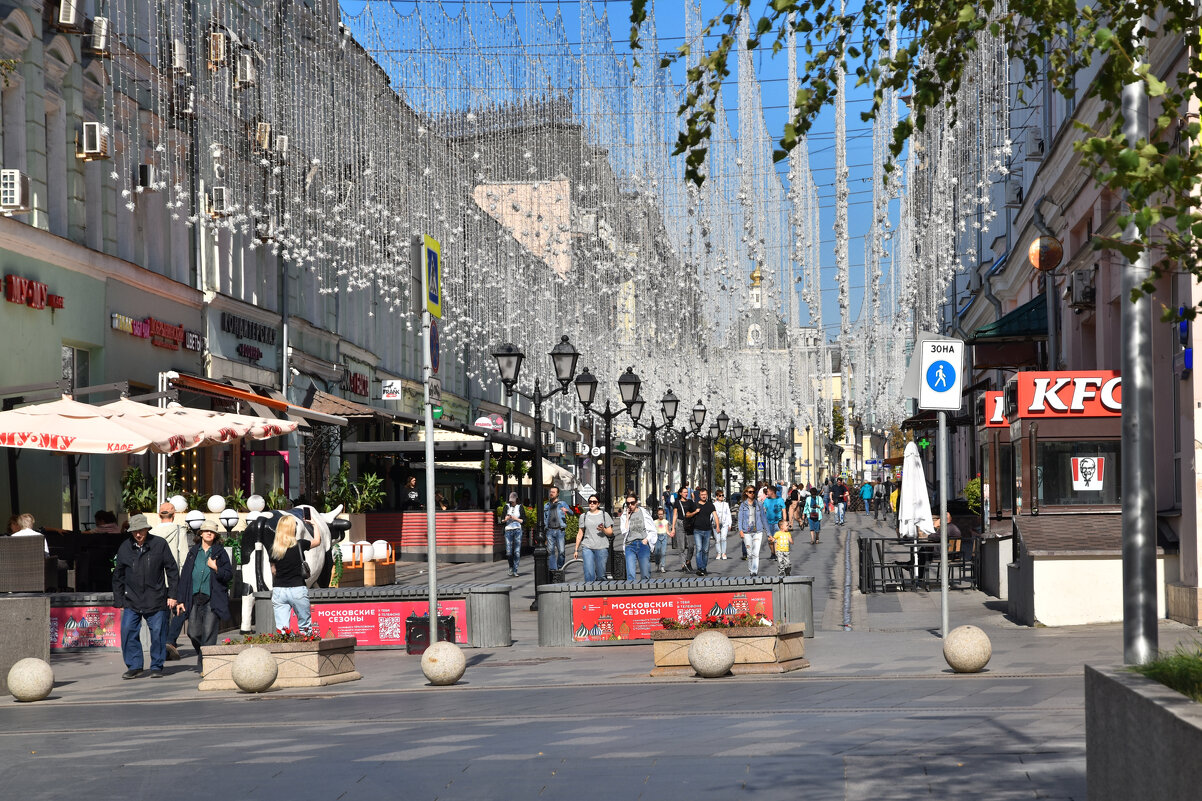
<point>813,509</point>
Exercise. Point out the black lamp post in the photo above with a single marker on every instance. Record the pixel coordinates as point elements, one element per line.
<point>586,390</point>
<point>753,435</point>
<point>736,431</point>
<point>509,364</point>
<point>723,424</point>
<point>710,443</point>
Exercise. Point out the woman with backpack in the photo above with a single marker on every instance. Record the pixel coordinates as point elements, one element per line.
<point>813,513</point>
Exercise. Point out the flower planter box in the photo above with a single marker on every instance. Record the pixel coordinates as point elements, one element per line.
<point>301,664</point>
<point>758,649</point>
<point>1142,739</point>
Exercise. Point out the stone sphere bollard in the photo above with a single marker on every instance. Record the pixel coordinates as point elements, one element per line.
<point>967,649</point>
<point>30,679</point>
<point>255,670</point>
<point>443,663</point>
<point>711,654</point>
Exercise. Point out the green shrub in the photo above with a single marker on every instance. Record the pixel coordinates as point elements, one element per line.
<point>972,494</point>
<point>138,494</point>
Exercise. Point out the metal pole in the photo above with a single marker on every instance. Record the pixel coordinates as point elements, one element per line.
<point>608,496</point>
<point>428,411</point>
<point>654,472</point>
<point>1140,636</point>
<point>943,518</point>
<point>726,486</point>
<point>541,571</point>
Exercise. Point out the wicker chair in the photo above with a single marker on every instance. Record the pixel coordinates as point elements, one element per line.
<point>22,564</point>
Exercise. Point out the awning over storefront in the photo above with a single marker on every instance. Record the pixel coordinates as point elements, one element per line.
<point>326,403</point>
<point>1028,321</point>
<point>254,399</point>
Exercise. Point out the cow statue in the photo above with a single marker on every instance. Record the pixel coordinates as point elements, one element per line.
<point>256,551</point>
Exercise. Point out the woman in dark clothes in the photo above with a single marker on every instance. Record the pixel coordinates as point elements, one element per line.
<point>204,587</point>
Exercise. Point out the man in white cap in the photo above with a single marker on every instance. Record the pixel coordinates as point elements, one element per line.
<point>144,582</point>
<point>177,538</point>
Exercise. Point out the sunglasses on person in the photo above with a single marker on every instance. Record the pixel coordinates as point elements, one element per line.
<point>592,501</point>
<point>632,503</point>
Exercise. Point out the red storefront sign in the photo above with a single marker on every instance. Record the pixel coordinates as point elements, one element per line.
<point>995,410</point>
<point>358,384</point>
<point>1096,393</point>
<point>634,617</point>
<point>160,334</point>
<point>84,627</point>
<point>381,623</point>
<point>28,292</point>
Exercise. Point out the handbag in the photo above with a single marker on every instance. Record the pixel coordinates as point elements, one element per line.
<point>305,571</point>
<point>813,512</point>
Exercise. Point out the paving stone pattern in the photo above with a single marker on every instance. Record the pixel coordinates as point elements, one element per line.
<point>879,715</point>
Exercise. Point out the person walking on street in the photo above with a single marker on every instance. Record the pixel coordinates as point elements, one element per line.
<point>813,515</point>
<point>513,533</point>
<point>144,588</point>
<point>595,526</point>
<point>638,537</point>
<point>879,494</point>
<point>723,510</point>
<point>705,523</point>
<point>663,534</point>
<point>177,538</point>
<point>866,493</point>
<point>839,495</point>
<point>289,593</point>
<point>784,539</point>
<point>753,526</point>
<point>203,593</point>
<point>686,514</point>
<point>555,521</point>
<point>774,508</point>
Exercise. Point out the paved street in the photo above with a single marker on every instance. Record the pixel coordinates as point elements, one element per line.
<point>877,716</point>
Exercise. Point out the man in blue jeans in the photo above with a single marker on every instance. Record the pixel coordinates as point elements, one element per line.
<point>704,525</point>
<point>143,583</point>
<point>555,521</point>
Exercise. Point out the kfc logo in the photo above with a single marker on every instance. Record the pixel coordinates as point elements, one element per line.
<point>995,410</point>
<point>1088,473</point>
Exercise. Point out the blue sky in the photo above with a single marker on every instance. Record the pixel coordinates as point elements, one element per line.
<point>773,75</point>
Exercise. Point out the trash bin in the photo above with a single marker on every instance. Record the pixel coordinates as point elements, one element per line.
<point>417,632</point>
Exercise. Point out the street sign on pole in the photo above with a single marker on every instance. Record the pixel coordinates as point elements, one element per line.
<point>435,390</point>
<point>942,374</point>
<point>434,345</point>
<point>424,257</point>
<point>432,275</point>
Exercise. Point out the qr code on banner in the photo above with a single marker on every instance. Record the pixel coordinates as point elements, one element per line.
<point>389,627</point>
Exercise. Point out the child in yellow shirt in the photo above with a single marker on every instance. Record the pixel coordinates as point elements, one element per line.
<point>782,539</point>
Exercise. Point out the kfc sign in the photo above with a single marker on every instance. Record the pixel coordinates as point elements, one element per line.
<point>1070,394</point>
<point>995,410</point>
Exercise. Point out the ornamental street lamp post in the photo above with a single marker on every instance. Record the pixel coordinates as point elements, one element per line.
<point>753,435</point>
<point>509,364</point>
<point>586,391</point>
<point>736,431</point>
<point>710,442</point>
<point>723,424</point>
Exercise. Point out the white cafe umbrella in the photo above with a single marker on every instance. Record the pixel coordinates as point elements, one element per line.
<point>68,426</point>
<point>913,504</point>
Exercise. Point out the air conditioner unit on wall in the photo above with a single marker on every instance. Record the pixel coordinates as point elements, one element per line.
<point>266,228</point>
<point>245,73</point>
<point>146,178</point>
<point>97,42</point>
<point>281,147</point>
<point>263,135</point>
<point>1014,191</point>
<point>69,17</point>
<point>1082,292</point>
<point>14,192</point>
<point>179,56</point>
<point>183,101</point>
<point>219,201</point>
<point>93,142</point>
<point>1034,145</point>
<point>557,448</point>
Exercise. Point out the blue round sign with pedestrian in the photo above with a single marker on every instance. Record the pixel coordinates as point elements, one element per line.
<point>941,376</point>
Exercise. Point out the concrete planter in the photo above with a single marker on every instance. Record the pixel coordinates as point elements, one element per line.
<point>301,664</point>
<point>1142,739</point>
<point>758,649</point>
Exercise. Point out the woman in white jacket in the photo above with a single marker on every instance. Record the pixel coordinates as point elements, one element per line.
<point>724,521</point>
<point>638,538</point>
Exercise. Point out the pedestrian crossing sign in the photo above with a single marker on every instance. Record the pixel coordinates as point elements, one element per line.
<point>942,374</point>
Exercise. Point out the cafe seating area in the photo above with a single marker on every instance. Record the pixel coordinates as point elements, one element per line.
<point>889,564</point>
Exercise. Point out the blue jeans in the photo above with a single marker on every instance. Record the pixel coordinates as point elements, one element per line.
<point>555,549</point>
<point>840,512</point>
<point>286,600</point>
<point>174,627</point>
<point>594,563</point>
<point>638,553</point>
<point>513,547</point>
<point>131,638</point>
<point>661,550</point>
<point>701,539</point>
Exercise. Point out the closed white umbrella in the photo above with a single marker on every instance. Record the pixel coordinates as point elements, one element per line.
<point>913,503</point>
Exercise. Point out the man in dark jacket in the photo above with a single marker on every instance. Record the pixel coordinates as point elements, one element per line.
<point>144,583</point>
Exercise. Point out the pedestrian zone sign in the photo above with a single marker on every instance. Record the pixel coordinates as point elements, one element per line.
<point>941,373</point>
<point>432,262</point>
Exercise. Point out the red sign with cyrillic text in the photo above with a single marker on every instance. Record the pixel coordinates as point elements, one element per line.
<point>1096,393</point>
<point>381,624</point>
<point>995,411</point>
<point>634,617</point>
